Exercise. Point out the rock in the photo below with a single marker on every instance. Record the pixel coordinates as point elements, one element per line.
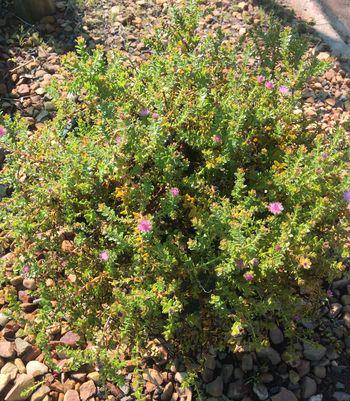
<point>210,362</point>
<point>276,335</point>
<point>3,319</point>
<point>226,372</point>
<point>40,393</point>
<point>284,395</point>
<point>87,390</point>
<point>71,395</point>
<point>318,397</point>
<point>20,365</point>
<point>22,346</point>
<point>335,309</point>
<point>22,384</point>
<point>261,391</point>
<point>167,392</point>
<point>345,299</point>
<point>5,379</point>
<point>235,390</point>
<point>95,376</point>
<point>180,376</point>
<point>10,369</point>
<point>314,352</point>
<point>346,319</point>
<point>35,368</point>
<point>216,387</point>
<point>247,362</point>
<point>271,354</point>
<point>69,339</point>
<point>153,376</point>
<point>23,89</point>
<point>308,387</point>
<point>7,349</point>
<point>29,284</point>
<point>341,396</point>
<point>320,371</point>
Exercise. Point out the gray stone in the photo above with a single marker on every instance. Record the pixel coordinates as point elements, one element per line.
<point>320,371</point>
<point>317,397</point>
<point>261,391</point>
<point>216,387</point>
<point>314,352</point>
<point>247,362</point>
<point>341,396</point>
<point>345,299</point>
<point>210,362</point>
<point>284,395</point>
<point>226,373</point>
<point>235,390</point>
<point>167,392</point>
<point>271,354</point>
<point>180,376</point>
<point>308,387</point>
<point>276,335</point>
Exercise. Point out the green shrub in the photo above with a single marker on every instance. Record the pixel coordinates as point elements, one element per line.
<point>180,199</point>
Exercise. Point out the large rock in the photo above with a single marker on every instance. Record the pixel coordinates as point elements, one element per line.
<point>308,387</point>
<point>7,349</point>
<point>9,369</point>
<point>5,379</point>
<point>34,10</point>
<point>87,390</point>
<point>271,354</point>
<point>35,368</point>
<point>18,392</point>
<point>22,346</point>
<point>314,352</point>
<point>284,395</point>
<point>216,387</point>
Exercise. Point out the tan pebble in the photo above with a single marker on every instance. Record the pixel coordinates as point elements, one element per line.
<point>20,365</point>
<point>95,376</point>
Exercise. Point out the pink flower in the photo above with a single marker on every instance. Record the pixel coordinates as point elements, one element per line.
<point>260,79</point>
<point>145,226</point>
<point>26,269</point>
<point>276,207</point>
<point>119,140</point>
<point>248,276</point>
<point>155,116</point>
<point>346,195</point>
<point>278,248</point>
<point>269,85</point>
<point>330,293</point>
<point>174,191</point>
<point>104,256</point>
<point>283,90</point>
<point>144,113</point>
<point>2,131</point>
<point>217,138</point>
<point>240,264</point>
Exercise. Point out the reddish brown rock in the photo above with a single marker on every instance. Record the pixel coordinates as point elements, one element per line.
<point>71,395</point>
<point>23,89</point>
<point>7,349</point>
<point>87,390</point>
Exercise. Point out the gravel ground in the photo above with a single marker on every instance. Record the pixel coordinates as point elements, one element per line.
<point>320,371</point>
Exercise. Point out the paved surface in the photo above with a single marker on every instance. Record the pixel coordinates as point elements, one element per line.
<point>339,12</point>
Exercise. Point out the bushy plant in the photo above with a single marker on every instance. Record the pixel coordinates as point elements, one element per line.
<point>180,199</point>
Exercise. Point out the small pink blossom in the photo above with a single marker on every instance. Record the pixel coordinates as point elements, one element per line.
<point>276,207</point>
<point>240,264</point>
<point>260,79</point>
<point>174,191</point>
<point>217,138</point>
<point>278,248</point>
<point>248,276</point>
<point>346,195</point>
<point>144,113</point>
<point>119,140</point>
<point>155,116</point>
<point>2,131</point>
<point>26,269</point>
<point>330,293</point>
<point>283,90</point>
<point>269,85</point>
<point>296,318</point>
<point>145,226</point>
<point>104,256</point>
